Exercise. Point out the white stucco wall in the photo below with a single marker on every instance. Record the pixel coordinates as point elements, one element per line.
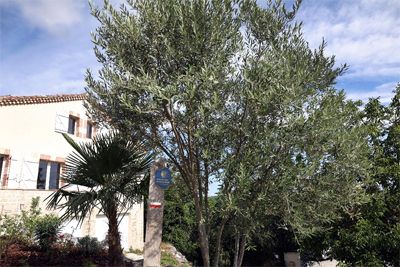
<point>28,131</point>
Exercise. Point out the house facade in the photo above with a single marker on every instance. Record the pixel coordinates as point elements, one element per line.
<point>33,153</point>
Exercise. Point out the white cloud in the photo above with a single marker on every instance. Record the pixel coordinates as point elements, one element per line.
<point>384,91</point>
<point>365,34</point>
<point>51,15</point>
<point>47,63</point>
<point>376,70</point>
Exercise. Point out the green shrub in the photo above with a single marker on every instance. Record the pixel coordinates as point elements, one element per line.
<point>167,259</point>
<point>46,230</point>
<point>18,231</point>
<point>20,227</point>
<point>30,217</point>
<point>89,245</point>
<point>11,226</point>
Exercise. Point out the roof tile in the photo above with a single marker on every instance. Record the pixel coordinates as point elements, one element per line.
<point>9,100</point>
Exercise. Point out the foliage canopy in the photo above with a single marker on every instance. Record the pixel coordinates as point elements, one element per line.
<point>370,234</point>
<point>230,91</point>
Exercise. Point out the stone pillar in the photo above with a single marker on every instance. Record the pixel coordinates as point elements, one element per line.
<point>152,251</point>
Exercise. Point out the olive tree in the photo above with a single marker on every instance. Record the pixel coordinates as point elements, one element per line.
<point>214,85</point>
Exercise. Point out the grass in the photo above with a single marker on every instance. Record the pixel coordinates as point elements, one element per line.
<point>168,260</point>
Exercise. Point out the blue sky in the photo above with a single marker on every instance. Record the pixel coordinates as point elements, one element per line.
<point>45,45</point>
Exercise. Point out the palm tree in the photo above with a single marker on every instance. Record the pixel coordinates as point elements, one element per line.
<point>107,173</point>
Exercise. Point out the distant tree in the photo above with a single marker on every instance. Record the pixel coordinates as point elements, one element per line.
<point>179,222</point>
<point>230,91</point>
<point>369,235</point>
<point>108,174</point>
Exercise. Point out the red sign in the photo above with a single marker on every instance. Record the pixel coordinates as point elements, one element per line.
<point>155,205</point>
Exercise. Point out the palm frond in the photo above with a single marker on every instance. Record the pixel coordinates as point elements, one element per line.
<point>111,169</point>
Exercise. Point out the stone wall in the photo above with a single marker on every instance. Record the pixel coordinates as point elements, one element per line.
<point>13,201</point>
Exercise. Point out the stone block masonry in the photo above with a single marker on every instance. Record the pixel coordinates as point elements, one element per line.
<point>13,201</point>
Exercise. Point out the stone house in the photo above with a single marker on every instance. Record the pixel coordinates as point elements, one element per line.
<point>32,156</point>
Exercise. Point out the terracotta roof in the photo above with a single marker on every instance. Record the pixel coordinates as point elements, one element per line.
<point>9,100</point>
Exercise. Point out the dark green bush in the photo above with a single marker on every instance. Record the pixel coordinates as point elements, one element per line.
<point>46,230</point>
<point>179,226</point>
<point>89,245</point>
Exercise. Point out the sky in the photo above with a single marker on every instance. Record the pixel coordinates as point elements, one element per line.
<point>45,45</point>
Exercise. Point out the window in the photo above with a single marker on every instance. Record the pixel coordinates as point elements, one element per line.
<point>51,170</point>
<point>42,173</point>
<point>71,125</point>
<point>61,123</point>
<point>89,130</point>
<point>1,166</point>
